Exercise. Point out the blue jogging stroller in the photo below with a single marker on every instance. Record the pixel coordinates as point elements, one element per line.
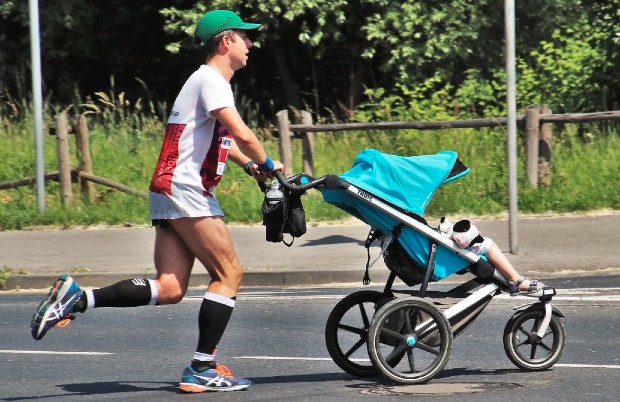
<point>406,334</point>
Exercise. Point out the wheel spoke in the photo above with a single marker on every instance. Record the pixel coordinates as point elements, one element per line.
<point>364,315</point>
<point>411,319</point>
<point>355,330</point>
<point>427,348</point>
<point>533,351</point>
<point>525,342</point>
<point>411,360</point>
<point>542,345</point>
<point>396,353</point>
<point>527,333</point>
<point>355,347</point>
<point>389,332</point>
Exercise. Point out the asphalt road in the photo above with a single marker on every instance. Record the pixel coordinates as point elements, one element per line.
<point>276,338</point>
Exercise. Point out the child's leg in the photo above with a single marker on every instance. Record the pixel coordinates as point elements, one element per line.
<point>499,260</point>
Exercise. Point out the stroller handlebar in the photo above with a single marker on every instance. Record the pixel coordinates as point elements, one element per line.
<point>300,183</point>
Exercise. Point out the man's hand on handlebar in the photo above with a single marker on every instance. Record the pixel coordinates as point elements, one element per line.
<point>263,176</point>
<point>277,166</point>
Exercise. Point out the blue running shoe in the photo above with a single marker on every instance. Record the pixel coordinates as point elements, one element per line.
<point>218,379</point>
<point>56,308</point>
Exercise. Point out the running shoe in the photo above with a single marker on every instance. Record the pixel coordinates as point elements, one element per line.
<point>55,310</point>
<point>217,379</point>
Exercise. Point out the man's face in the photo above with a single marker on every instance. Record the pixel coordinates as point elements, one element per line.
<point>239,49</point>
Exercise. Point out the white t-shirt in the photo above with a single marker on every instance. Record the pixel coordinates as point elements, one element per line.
<point>194,150</point>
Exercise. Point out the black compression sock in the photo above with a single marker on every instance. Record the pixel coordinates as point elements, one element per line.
<point>213,317</point>
<point>127,293</point>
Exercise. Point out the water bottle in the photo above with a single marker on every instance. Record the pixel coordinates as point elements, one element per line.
<point>274,195</point>
<point>273,212</point>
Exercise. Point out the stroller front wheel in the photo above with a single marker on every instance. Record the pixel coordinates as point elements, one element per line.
<point>525,349</point>
<point>415,328</point>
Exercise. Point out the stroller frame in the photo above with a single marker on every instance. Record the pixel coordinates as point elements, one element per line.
<point>402,325</point>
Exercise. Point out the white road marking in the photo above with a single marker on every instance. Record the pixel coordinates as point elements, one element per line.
<point>274,297</point>
<point>607,366</point>
<point>294,358</point>
<point>282,358</point>
<point>578,294</point>
<point>47,352</point>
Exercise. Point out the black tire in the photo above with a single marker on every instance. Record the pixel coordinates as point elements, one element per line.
<point>423,336</point>
<point>522,347</point>
<point>346,332</point>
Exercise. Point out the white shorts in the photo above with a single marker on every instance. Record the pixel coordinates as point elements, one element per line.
<point>162,206</point>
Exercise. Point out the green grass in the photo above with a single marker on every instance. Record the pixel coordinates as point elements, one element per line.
<point>5,273</point>
<point>584,174</point>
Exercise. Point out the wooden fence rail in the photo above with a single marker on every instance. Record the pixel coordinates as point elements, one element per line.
<point>535,122</point>
<point>66,175</point>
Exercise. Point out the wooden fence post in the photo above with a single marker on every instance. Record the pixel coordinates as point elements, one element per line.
<point>532,124</point>
<point>84,157</point>
<point>64,162</point>
<point>307,144</point>
<point>285,141</point>
<point>544,150</point>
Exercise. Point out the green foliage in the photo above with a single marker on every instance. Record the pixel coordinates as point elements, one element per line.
<point>565,65</point>
<point>551,74</point>
<point>322,55</point>
<point>411,35</point>
<point>4,276</point>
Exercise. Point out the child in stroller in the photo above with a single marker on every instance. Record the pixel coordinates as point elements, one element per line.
<point>466,235</point>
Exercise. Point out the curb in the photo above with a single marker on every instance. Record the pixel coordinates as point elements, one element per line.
<point>42,283</point>
<point>250,279</point>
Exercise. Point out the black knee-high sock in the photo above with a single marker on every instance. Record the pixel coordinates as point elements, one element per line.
<point>126,293</point>
<point>215,312</point>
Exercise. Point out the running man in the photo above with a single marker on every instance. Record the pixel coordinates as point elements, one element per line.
<point>203,130</point>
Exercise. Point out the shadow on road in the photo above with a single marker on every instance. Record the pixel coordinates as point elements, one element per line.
<point>334,239</point>
<point>104,388</point>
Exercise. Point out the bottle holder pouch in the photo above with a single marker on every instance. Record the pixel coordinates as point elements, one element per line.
<point>286,216</point>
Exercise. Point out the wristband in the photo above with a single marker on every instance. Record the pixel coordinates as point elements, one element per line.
<point>266,166</point>
<point>248,166</point>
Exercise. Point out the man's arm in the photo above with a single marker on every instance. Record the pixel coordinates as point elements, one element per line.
<point>235,155</point>
<point>248,165</point>
<point>246,141</point>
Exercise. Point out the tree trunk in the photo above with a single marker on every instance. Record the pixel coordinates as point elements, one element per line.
<point>356,78</point>
<point>290,87</point>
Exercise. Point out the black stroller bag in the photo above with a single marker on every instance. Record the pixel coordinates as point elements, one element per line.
<point>286,216</point>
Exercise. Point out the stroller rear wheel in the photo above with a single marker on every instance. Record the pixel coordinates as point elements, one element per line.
<point>346,332</point>
<point>424,338</point>
<point>524,348</point>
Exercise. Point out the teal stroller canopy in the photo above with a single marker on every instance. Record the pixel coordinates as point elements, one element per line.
<point>408,182</point>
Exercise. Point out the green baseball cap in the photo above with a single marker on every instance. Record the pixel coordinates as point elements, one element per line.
<point>217,21</point>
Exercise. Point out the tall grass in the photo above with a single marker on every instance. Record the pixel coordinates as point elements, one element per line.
<point>125,145</point>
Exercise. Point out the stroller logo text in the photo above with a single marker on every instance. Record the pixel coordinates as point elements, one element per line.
<point>364,194</point>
